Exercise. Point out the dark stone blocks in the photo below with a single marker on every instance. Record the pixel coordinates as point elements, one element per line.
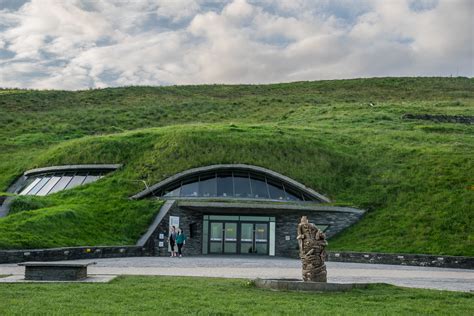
<point>55,273</point>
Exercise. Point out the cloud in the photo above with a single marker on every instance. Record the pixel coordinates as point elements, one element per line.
<point>78,44</point>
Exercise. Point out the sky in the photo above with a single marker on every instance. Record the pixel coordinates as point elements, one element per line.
<point>82,44</point>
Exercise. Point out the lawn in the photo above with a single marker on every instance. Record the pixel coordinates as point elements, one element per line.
<point>414,178</point>
<point>213,296</point>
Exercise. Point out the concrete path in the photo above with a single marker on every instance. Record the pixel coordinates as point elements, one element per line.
<point>265,267</point>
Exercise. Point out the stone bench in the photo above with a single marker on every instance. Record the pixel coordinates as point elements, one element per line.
<point>55,271</point>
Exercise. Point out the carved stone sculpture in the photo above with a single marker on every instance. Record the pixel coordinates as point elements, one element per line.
<point>312,243</point>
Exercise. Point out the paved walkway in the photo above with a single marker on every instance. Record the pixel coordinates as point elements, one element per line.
<point>265,267</point>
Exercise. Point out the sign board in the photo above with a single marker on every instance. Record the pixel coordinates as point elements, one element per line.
<point>174,221</point>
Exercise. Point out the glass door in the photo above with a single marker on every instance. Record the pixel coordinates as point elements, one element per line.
<point>254,238</point>
<point>246,238</point>
<point>215,238</point>
<point>261,238</point>
<point>230,238</point>
<point>223,237</point>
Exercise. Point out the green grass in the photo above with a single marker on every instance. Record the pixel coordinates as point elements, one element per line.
<point>205,296</point>
<point>413,177</point>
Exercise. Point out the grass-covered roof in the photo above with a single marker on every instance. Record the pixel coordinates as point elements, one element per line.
<point>345,139</point>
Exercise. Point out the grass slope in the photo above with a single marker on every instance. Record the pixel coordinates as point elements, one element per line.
<point>414,177</point>
<point>204,296</point>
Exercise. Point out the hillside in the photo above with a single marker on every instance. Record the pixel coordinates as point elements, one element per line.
<point>346,139</point>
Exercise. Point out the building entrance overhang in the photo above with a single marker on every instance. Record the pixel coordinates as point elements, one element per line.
<point>262,208</point>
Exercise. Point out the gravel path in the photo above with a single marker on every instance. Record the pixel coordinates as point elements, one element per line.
<point>265,267</point>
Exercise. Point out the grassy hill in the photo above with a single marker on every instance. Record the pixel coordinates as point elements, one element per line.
<point>414,177</point>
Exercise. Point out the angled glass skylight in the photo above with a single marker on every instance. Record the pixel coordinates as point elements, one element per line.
<point>49,180</point>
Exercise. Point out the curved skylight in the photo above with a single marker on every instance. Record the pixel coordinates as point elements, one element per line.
<point>232,181</point>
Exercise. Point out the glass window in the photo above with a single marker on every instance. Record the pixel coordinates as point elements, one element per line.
<point>208,185</point>
<point>307,197</point>
<point>261,248</point>
<point>238,184</point>
<point>91,178</point>
<point>216,231</point>
<point>215,247</point>
<point>259,187</point>
<point>30,186</point>
<point>261,232</point>
<point>225,185</point>
<point>292,194</point>
<point>216,238</point>
<point>230,232</point>
<point>246,238</point>
<point>242,185</point>
<point>48,186</point>
<point>190,187</point>
<point>276,190</point>
<point>38,186</point>
<point>61,184</point>
<point>76,180</point>
<point>173,190</point>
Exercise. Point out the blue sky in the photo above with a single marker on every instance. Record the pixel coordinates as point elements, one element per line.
<point>80,44</point>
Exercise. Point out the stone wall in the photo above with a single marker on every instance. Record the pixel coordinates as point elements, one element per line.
<point>74,253</point>
<point>440,261</point>
<point>287,224</point>
<point>193,245</point>
<point>71,253</point>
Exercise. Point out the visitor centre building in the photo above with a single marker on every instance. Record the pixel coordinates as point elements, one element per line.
<point>225,209</point>
<point>238,209</point>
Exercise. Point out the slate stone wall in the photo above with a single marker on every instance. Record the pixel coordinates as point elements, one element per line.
<point>286,228</point>
<point>71,253</point>
<point>459,262</point>
<point>193,245</point>
<point>286,225</point>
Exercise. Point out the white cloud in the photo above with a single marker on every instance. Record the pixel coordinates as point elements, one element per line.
<point>81,43</point>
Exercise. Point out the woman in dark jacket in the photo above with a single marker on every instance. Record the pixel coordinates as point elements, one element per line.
<point>180,240</point>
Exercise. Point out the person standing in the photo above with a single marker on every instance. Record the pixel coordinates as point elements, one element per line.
<point>172,240</point>
<point>180,240</point>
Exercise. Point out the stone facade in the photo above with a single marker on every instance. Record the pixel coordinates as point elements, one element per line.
<point>286,224</point>
<point>193,245</point>
<point>285,228</point>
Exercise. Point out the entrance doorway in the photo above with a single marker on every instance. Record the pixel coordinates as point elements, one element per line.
<point>254,238</point>
<point>229,237</point>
